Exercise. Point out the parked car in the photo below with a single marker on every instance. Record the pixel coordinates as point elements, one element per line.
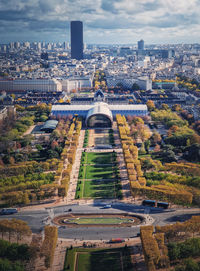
<point>106,206</point>
<point>116,240</point>
<point>151,203</point>
<point>8,211</point>
<point>164,205</point>
<point>68,210</point>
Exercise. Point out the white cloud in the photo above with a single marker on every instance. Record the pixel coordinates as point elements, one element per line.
<point>116,20</point>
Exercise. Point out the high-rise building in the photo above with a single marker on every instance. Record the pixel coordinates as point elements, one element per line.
<point>26,44</point>
<point>49,46</point>
<point>140,45</point>
<point>77,39</point>
<point>43,44</point>
<point>39,46</point>
<point>17,44</point>
<point>65,45</point>
<point>12,45</point>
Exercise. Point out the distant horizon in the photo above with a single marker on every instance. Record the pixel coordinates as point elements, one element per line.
<point>103,44</point>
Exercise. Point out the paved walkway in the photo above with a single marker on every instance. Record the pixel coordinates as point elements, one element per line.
<point>91,138</point>
<point>75,170</point>
<point>122,167</point>
<point>30,129</point>
<point>59,256</point>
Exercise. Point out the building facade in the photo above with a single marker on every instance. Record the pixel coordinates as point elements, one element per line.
<point>140,45</point>
<point>99,111</point>
<point>127,82</point>
<point>76,83</point>
<point>30,84</point>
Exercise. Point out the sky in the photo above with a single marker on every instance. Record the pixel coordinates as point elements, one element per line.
<point>105,21</point>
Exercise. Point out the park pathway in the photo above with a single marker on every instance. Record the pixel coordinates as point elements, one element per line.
<point>75,170</point>
<point>59,256</point>
<point>122,166</point>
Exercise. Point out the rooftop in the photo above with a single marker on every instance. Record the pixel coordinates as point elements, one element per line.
<point>86,107</point>
<point>49,124</point>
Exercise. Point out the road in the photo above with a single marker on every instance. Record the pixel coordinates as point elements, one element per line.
<point>37,219</point>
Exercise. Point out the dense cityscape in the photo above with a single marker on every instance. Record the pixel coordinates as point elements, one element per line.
<point>99,155</point>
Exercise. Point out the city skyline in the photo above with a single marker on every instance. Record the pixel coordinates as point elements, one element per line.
<point>107,22</point>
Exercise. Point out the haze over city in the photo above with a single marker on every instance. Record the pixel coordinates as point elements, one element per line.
<point>113,21</point>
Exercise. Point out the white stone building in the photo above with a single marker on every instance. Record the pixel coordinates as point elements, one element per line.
<point>30,84</point>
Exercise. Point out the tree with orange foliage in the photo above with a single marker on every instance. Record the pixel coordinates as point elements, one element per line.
<point>150,105</point>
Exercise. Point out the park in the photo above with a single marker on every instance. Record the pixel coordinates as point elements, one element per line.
<point>98,176</point>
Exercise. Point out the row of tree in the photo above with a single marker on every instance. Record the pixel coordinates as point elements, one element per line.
<point>154,249</point>
<point>161,248</point>
<point>68,154</point>
<point>160,190</point>
<point>179,231</point>
<point>30,167</point>
<point>14,227</point>
<point>49,244</point>
<point>130,152</point>
<point>183,168</point>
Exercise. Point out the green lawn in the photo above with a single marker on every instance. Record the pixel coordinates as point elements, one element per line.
<point>100,157</point>
<point>98,259</point>
<point>97,168</point>
<point>99,189</point>
<point>83,263</point>
<point>99,220</point>
<point>99,172</point>
<point>79,189</point>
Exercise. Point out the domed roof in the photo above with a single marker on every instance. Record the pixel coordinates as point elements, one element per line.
<point>100,109</point>
<point>100,93</point>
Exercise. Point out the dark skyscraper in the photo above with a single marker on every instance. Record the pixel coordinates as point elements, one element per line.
<point>140,45</point>
<point>77,40</point>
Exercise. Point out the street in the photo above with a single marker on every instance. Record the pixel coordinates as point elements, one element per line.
<point>37,219</point>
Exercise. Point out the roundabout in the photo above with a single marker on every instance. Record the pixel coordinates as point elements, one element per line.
<point>40,217</point>
<point>98,220</point>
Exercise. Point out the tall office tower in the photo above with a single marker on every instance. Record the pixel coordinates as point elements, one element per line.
<point>65,45</point>
<point>26,44</point>
<point>140,45</point>
<point>17,44</point>
<point>4,48</point>
<point>11,45</point>
<point>77,40</point>
<point>49,46</point>
<point>39,46</point>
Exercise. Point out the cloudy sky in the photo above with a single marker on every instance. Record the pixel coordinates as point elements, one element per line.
<point>105,21</point>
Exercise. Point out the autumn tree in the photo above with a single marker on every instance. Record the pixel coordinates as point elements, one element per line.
<point>150,105</point>
<point>165,106</point>
<point>25,198</point>
<point>176,107</point>
<point>156,137</point>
